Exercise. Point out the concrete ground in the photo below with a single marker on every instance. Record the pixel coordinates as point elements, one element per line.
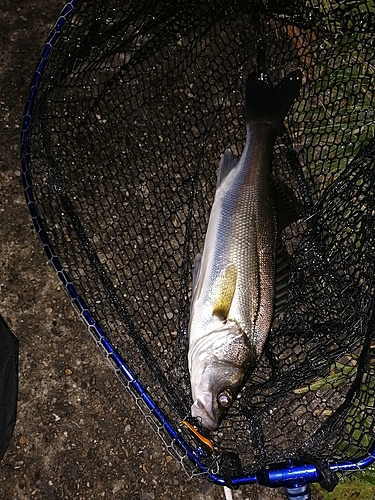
<point>78,433</point>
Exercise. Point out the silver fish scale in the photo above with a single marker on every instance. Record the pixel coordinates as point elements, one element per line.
<point>242,233</point>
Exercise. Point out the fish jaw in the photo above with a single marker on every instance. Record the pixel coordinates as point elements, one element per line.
<point>219,364</point>
<point>203,411</point>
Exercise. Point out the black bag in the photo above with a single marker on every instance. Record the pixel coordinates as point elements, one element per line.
<point>8,384</point>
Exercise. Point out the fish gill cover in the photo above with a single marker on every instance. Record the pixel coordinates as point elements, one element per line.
<point>137,102</point>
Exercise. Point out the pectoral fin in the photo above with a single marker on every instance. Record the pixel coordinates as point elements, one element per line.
<point>226,286</point>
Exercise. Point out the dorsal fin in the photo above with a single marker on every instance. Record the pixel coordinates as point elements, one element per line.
<point>282,278</point>
<point>288,208</point>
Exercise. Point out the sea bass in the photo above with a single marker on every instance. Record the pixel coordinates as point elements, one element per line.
<point>233,288</point>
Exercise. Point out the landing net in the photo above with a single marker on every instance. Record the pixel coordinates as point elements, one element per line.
<point>130,110</point>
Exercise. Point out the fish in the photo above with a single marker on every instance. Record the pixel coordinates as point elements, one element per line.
<point>233,286</point>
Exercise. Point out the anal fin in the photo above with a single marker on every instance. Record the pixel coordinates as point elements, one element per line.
<point>227,163</point>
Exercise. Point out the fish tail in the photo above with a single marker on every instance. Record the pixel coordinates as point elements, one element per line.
<point>267,104</point>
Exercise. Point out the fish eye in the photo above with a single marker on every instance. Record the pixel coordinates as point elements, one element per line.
<point>225,398</point>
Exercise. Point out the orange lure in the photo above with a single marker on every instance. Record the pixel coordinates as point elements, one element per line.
<point>203,439</point>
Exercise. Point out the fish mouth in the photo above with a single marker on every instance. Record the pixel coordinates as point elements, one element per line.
<point>199,411</point>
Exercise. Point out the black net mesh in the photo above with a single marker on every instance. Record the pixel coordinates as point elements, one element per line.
<point>138,101</point>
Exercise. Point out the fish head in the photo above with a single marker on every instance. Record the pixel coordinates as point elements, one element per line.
<point>213,396</point>
<point>218,372</point>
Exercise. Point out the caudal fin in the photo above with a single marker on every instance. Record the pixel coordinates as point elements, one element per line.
<point>267,104</point>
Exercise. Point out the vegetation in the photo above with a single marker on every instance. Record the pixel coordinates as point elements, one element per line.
<point>359,486</point>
